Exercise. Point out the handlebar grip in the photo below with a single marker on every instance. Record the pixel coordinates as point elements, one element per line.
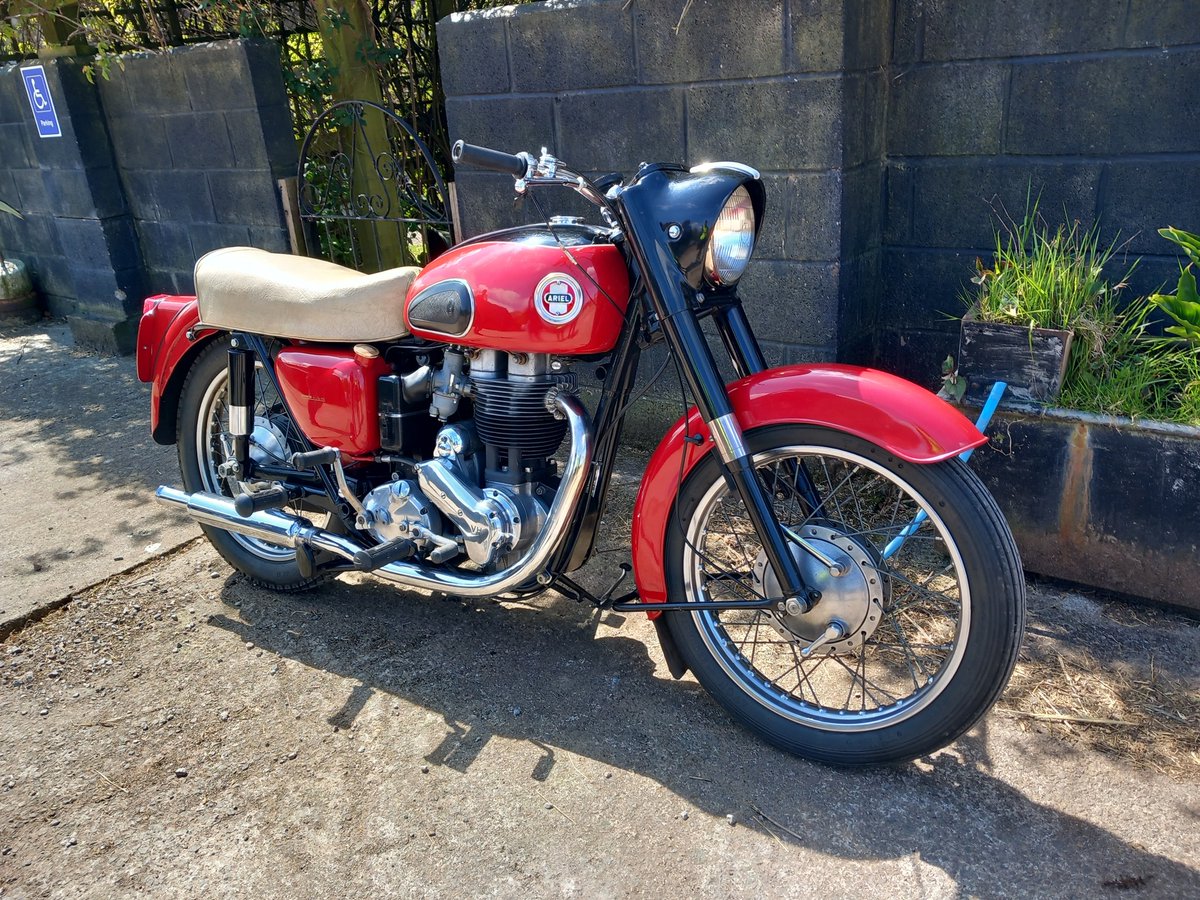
<point>483,158</point>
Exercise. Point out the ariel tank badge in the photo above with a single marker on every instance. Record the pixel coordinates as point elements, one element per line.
<point>558,298</point>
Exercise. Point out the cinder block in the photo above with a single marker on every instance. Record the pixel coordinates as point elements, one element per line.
<point>14,106</point>
<point>615,131</point>
<point>796,299</point>
<point>272,239</point>
<point>951,110</point>
<point>36,234</point>
<point>861,210</point>
<point>99,243</point>
<point>165,246</point>
<point>279,139</point>
<point>1155,23</point>
<point>32,196</point>
<point>508,124</point>
<point>908,31</point>
<point>117,337</point>
<point>962,203</point>
<point>899,182</point>
<point>818,28</point>
<point>485,202</point>
<point>1111,106</point>
<point>246,139</point>
<point>213,237</point>
<point>199,141</point>
<point>772,233</point>
<point>139,142</point>
<point>864,113</point>
<point>773,126</point>
<point>155,84</point>
<point>473,52</point>
<point>916,353</point>
<point>245,198</point>
<point>559,50</point>
<point>217,76</point>
<point>814,216</point>
<point>265,67</point>
<point>53,276</point>
<point>1000,28</point>
<point>13,145</point>
<point>924,288</point>
<point>181,196</point>
<point>868,35</point>
<point>710,42</point>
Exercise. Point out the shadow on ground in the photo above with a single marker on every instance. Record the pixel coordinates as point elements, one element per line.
<point>558,677</point>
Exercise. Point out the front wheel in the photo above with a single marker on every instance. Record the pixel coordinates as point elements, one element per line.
<point>927,601</point>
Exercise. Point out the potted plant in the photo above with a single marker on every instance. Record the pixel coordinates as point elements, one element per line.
<point>1026,307</point>
<point>1100,489</point>
<point>18,302</point>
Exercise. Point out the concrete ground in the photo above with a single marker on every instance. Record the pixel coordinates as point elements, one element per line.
<point>174,731</point>
<point>76,470</point>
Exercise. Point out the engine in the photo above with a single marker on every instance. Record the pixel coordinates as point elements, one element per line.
<point>486,490</point>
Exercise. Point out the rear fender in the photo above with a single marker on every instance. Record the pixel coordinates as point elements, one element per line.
<point>906,420</point>
<point>165,350</point>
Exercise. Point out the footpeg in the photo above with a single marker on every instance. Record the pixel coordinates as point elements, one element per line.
<point>247,504</point>
<point>314,458</point>
<point>378,557</point>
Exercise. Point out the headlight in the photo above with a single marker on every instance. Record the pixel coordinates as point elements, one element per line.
<point>732,239</point>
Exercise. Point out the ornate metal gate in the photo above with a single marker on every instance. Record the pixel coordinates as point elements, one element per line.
<point>370,194</point>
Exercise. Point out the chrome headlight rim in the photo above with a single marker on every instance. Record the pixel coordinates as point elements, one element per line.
<point>732,239</point>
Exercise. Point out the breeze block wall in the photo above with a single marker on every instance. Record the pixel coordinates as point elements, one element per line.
<point>791,88</point>
<point>1085,102</point>
<point>890,135</point>
<point>171,156</point>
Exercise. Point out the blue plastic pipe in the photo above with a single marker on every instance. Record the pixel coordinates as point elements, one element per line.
<point>985,417</point>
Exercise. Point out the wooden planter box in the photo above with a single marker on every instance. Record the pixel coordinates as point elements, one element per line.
<point>1032,361</point>
<point>1099,500</point>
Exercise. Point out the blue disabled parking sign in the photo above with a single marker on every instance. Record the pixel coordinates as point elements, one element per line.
<point>41,102</point>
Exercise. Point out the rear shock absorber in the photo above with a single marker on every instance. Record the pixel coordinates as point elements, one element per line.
<point>241,404</point>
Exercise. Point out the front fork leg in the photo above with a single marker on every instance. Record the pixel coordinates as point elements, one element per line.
<point>687,342</point>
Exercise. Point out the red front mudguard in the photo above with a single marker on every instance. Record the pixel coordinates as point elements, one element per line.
<point>906,420</point>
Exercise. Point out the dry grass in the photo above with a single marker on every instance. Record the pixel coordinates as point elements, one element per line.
<point>1105,685</point>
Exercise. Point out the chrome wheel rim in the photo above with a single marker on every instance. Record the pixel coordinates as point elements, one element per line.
<point>893,669</point>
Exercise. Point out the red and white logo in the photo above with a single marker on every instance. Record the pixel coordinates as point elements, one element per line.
<point>558,298</point>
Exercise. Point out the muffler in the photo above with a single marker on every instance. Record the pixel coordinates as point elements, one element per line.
<point>277,527</point>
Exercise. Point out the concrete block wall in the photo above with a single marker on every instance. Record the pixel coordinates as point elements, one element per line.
<point>780,86</point>
<point>173,155</point>
<point>1086,103</point>
<point>889,135</point>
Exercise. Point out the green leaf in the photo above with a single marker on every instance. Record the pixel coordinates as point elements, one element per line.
<point>4,207</point>
<point>1190,243</point>
<point>948,366</point>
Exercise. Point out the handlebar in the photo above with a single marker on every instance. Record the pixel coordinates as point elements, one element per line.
<point>485,158</point>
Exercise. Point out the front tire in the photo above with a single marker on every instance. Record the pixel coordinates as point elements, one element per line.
<point>931,616</point>
<point>202,419</point>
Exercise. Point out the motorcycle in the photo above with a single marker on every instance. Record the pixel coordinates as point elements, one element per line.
<point>806,539</point>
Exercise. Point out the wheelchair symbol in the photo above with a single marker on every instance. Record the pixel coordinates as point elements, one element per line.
<point>39,99</point>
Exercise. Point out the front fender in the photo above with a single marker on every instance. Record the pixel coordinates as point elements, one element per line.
<point>906,420</point>
<point>163,344</point>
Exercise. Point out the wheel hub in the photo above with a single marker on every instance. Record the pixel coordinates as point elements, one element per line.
<point>853,600</point>
<point>268,445</point>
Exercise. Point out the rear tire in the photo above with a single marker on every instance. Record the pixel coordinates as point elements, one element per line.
<point>932,627</point>
<point>203,416</point>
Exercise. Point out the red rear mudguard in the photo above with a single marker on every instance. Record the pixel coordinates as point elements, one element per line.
<point>906,420</point>
<point>162,345</point>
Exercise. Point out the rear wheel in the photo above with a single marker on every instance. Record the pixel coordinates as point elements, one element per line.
<point>926,618</point>
<point>203,439</point>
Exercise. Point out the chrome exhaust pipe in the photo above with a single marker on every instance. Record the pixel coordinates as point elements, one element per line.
<point>276,527</point>
<point>268,525</point>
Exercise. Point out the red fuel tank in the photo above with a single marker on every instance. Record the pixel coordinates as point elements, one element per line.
<point>518,291</point>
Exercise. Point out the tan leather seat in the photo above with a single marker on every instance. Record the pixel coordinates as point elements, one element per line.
<point>277,294</point>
